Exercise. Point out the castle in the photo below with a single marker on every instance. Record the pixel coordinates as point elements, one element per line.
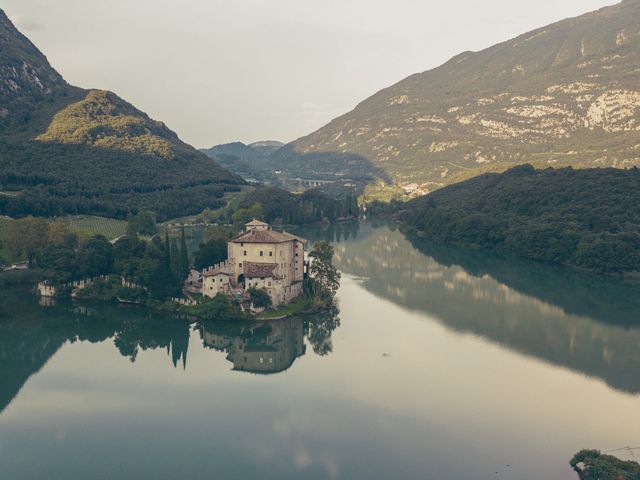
<point>259,258</point>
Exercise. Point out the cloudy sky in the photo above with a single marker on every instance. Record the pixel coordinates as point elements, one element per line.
<point>224,70</point>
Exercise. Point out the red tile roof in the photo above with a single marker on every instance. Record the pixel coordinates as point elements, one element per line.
<point>266,236</point>
<point>214,273</point>
<point>259,270</point>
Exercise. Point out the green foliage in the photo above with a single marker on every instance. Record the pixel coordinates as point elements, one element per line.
<point>153,264</point>
<point>260,297</point>
<point>593,465</point>
<point>221,308</point>
<point>72,151</point>
<point>584,218</point>
<point>143,223</point>
<point>245,215</point>
<point>94,258</point>
<point>324,278</point>
<point>25,237</point>
<point>320,330</point>
<point>210,253</point>
<point>184,255</point>
<point>110,290</point>
<point>295,209</point>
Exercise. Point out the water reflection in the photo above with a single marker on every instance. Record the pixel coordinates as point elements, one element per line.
<point>260,348</point>
<point>30,335</point>
<point>586,323</point>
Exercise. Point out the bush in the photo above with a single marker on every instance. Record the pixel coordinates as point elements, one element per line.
<point>260,298</point>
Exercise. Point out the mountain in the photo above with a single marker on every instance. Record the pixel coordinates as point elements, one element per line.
<point>267,147</point>
<point>586,218</point>
<point>66,150</point>
<point>249,161</point>
<point>565,94</point>
<point>236,149</point>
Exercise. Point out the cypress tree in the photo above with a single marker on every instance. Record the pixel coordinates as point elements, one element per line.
<point>176,265</point>
<point>184,254</point>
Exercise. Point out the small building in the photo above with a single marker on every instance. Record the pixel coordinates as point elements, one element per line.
<point>215,282</point>
<point>193,283</point>
<point>260,258</point>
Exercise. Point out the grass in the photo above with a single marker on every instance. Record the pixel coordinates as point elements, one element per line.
<point>109,227</point>
<point>298,306</point>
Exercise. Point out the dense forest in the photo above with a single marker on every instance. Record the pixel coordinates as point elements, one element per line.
<point>101,156</point>
<point>587,219</point>
<point>290,208</point>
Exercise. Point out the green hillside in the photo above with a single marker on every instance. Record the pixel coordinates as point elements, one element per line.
<point>565,94</point>
<point>65,150</point>
<point>587,219</point>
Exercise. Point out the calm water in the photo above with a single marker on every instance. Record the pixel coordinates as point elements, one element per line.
<point>442,365</point>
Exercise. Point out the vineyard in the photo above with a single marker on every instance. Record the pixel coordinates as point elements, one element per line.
<point>108,227</point>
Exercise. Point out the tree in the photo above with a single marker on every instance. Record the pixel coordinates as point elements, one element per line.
<point>245,215</point>
<point>210,253</point>
<point>60,233</point>
<point>176,265</point>
<point>184,255</point>
<point>143,223</point>
<point>59,262</point>
<point>320,328</point>
<point>259,297</point>
<point>26,237</point>
<point>324,278</point>
<point>146,222</point>
<point>220,308</point>
<point>94,258</point>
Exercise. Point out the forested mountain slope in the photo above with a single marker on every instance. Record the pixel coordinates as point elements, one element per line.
<point>68,150</point>
<point>583,218</point>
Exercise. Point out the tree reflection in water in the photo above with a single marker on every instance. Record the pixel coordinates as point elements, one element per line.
<point>31,334</point>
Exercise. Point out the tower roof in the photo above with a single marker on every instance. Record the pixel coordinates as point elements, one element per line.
<point>266,236</point>
<point>256,223</point>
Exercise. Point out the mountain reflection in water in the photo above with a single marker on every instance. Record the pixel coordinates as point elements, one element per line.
<point>583,322</point>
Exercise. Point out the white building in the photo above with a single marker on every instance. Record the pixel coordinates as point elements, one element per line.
<point>259,258</point>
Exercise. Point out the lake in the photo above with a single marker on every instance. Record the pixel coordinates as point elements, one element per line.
<point>442,364</point>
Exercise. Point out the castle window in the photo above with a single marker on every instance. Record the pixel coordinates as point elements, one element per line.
<point>240,265</point>
<point>271,254</point>
<point>260,252</point>
<point>242,244</point>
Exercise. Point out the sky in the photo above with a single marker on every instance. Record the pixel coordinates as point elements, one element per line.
<point>218,71</point>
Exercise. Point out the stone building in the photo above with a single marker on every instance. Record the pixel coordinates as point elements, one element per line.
<point>259,258</point>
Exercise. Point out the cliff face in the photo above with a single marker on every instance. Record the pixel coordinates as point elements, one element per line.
<point>565,94</point>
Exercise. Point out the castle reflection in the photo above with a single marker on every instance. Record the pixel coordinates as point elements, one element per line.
<point>260,348</point>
